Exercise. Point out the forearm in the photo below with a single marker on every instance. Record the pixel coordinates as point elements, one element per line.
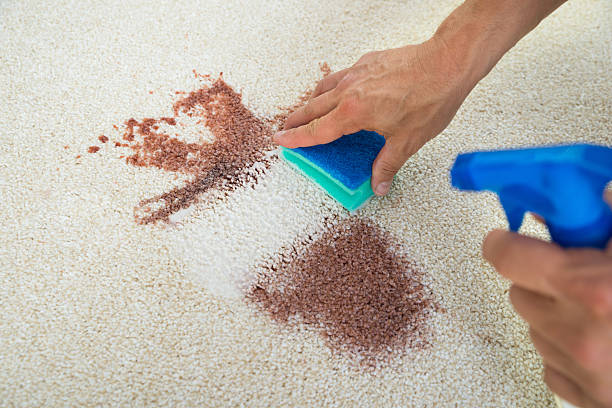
<point>479,32</point>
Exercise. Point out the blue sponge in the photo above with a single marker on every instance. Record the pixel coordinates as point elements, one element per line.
<point>343,167</point>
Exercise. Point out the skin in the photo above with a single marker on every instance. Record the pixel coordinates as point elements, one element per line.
<point>566,298</point>
<point>410,95</point>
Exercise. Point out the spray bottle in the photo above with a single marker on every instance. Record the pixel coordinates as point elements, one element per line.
<point>562,184</point>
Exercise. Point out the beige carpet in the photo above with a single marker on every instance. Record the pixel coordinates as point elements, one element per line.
<point>99,310</point>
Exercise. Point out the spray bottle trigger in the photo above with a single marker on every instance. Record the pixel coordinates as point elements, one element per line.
<point>514,214</point>
<point>518,199</point>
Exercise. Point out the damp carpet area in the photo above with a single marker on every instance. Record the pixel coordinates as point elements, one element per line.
<point>155,249</point>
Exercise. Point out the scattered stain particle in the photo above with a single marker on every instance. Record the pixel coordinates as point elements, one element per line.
<point>93,149</point>
<point>355,287</point>
<point>325,69</point>
<point>103,138</point>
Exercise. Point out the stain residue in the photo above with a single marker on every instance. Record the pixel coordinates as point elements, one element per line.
<point>325,69</point>
<point>355,287</point>
<point>240,140</point>
<point>93,149</point>
<point>238,154</point>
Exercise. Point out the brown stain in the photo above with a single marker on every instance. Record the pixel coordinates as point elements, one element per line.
<point>355,287</point>
<point>240,140</point>
<point>325,69</point>
<point>103,138</point>
<point>93,149</point>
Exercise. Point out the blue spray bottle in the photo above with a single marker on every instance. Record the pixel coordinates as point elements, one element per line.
<point>562,184</point>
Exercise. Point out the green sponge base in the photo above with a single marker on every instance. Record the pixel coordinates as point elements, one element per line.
<point>350,199</point>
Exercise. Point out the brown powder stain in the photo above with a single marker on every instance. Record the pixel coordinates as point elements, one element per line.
<point>93,149</point>
<point>103,138</point>
<point>240,140</point>
<point>325,69</point>
<point>354,285</point>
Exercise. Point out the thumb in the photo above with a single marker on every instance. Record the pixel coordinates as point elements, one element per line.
<point>388,162</point>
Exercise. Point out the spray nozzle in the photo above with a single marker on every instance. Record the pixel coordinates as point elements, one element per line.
<point>562,184</point>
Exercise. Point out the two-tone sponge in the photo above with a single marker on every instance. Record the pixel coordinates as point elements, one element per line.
<point>343,168</point>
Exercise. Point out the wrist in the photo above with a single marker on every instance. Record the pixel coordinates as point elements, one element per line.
<point>479,32</point>
<point>467,42</point>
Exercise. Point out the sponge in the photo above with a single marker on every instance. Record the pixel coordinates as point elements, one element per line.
<point>343,168</point>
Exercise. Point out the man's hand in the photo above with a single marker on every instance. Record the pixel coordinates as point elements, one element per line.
<point>411,94</point>
<point>408,95</point>
<point>566,297</point>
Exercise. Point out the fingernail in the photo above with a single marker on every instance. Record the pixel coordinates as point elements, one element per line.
<point>278,136</point>
<point>382,188</point>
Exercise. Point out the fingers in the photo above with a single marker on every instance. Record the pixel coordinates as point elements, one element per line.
<point>543,315</point>
<point>539,311</point>
<point>591,387</point>
<point>589,282</point>
<point>580,275</point>
<point>388,162</point>
<point>329,82</point>
<point>564,387</point>
<point>528,262</point>
<point>556,358</point>
<point>315,108</point>
<point>318,131</point>
<point>573,332</point>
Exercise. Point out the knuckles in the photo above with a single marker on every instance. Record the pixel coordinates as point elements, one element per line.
<point>308,110</point>
<point>367,57</point>
<point>351,103</point>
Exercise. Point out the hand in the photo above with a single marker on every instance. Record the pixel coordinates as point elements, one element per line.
<point>407,94</point>
<point>411,94</point>
<point>566,298</point>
